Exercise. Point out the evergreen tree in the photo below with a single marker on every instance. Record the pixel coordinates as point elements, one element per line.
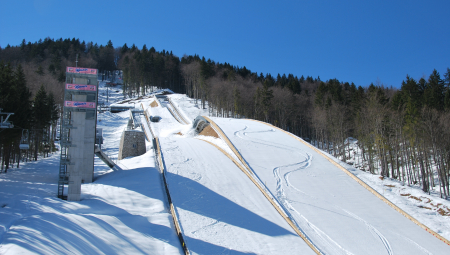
<point>266,100</point>
<point>447,78</point>
<point>23,45</point>
<point>109,45</point>
<point>124,48</point>
<point>411,99</point>
<point>321,94</point>
<point>6,86</point>
<point>41,112</point>
<point>52,107</point>
<point>447,99</point>
<point>40,70</point>
<point>293,84</point>
<point>447,90</point>
<point>206,69</point>
<point>21,100</point>
<point>434,91</point>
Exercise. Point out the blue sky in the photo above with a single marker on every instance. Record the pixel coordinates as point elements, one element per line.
<point>355,41</point>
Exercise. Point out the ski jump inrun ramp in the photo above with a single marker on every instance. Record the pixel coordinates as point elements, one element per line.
<point>268,192</point>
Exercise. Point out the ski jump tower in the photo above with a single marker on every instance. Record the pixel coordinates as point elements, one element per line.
<point>78,126</point>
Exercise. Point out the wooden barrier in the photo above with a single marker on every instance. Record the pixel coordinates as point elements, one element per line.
<point>145,132</point>
<point>246,169</point>
<point>162,170</point>
<point>362,183</point>
<point>178,113</point>
<point>173,114</point>
<point>148,123</point>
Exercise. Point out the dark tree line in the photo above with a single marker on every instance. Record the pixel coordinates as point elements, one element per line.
<point>32,87</point>
<point>37,115</point>
<point>402,133</point>
<point>147,69</point>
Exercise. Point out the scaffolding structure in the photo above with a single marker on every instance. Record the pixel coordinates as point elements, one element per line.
<point>78,127</point>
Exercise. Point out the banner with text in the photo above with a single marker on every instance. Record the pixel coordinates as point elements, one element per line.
<point>81,70</point>
<point>81,87</point>
<point>77,104</point>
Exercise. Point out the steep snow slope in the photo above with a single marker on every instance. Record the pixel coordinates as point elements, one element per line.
<point>219,208</point>
<point>220,211</point>
<point>338,214</point>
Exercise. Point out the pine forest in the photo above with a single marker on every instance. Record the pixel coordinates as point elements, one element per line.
<point>402,133</point>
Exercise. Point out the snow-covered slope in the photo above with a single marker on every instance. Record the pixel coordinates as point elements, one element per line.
<point>121,212</point>
<point>219,209</point>
<point>338,214</point>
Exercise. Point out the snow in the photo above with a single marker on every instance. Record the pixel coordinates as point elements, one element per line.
<point>220,210</point>
<point>118,213</point>
<point>187,107</point>
<point>218,207</point>
<point>121,212</point>
<point>337,214</point>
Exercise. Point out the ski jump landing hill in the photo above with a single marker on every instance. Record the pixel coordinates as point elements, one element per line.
<point>243,186</point>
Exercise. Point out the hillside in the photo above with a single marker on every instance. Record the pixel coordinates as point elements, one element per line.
<point>218,203</point>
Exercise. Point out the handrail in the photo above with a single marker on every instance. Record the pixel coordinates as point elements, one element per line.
<point>162,170</point>
<point>178,112</point>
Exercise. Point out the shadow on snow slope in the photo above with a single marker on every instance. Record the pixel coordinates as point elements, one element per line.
<point>55,233</point>
<point>202,247</point>
<point>217,207</point>
<point>32,218</point>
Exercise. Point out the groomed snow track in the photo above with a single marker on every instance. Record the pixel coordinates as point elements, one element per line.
<point>339,213</point>
<point>398,209</point>
<point>216,187</point>
<point>242,219</point>
<point>247,170</point>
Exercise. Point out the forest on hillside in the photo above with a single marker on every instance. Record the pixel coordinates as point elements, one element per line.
<point>402,133</point>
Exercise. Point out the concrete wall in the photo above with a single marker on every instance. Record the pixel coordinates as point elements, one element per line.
<point>132,143</point>
<point>89,147</point>
<point>76,155</point>
<point>82,154</point>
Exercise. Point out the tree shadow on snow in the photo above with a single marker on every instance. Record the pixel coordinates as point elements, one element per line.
<point>146,181</point>
<point>199,199</point>
<point>56,233</point>
<point>202,247</point>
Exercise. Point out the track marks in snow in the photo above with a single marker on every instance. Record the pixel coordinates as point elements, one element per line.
<point>215,222</point>
<point>283,186</point>
<point>374,232</point>
<point>332,245</point>
<point>281,175</point>
<point>420,248</point>
<point>289,168</point>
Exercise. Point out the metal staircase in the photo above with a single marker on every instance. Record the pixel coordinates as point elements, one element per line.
<point>65,142</point>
